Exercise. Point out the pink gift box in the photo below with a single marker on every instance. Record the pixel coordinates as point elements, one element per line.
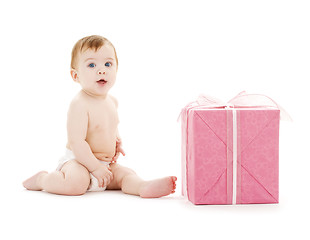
<point>230,154</point>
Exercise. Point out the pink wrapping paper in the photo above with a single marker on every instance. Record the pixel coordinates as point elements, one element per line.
<point>230,155</point>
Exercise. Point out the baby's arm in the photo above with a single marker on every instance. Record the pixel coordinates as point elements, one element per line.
<point>119,149</point>
<point>77,130</point>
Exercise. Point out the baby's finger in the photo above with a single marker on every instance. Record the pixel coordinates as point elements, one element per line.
<point>111,176</point>
<point>105,182</point>
<point>108,180</point>
<point>100,182</point>
<point>122,151</point>
<point>115,157</point>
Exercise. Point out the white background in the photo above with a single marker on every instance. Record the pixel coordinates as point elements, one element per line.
<point>169,52</point>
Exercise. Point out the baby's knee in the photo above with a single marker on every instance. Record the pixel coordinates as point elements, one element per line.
<point>127,171</point>
<point>122,172</point>
<point>78,187</point>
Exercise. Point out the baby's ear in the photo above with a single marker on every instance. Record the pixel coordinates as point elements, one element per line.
<point>74,75</point>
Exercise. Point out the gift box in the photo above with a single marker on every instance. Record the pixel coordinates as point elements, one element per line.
<point>230,151</point>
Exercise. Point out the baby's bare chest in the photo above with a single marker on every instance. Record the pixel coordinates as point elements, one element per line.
<point>102,119</point>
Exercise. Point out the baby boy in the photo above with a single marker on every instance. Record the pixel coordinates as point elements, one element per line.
<point>94,143</point>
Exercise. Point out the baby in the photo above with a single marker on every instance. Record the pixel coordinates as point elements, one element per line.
<point>94,143</point>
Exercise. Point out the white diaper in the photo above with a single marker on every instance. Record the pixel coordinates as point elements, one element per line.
<point>93,186</point>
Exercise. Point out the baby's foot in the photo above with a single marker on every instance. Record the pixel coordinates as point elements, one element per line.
<point>158,187</point>
<point>32,182</point>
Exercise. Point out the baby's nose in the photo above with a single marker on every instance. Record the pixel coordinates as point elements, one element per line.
<point>101,72</point>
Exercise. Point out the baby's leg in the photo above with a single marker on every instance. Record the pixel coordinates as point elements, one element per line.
<point>127,180</point>
<point>72,179</point>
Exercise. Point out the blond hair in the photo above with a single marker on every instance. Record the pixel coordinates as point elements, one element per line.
<point>93,42</point>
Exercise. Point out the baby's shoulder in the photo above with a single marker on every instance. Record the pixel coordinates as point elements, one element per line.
<point>79,102</point>
<point>114,100</point>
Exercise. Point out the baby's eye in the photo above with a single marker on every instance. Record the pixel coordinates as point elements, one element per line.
<point>108,64</point>
<point>91,65</point>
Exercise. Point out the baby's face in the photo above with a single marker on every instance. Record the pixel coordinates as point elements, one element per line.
<point>96,71</point>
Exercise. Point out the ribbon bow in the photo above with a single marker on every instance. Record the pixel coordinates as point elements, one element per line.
<point>242,100</point>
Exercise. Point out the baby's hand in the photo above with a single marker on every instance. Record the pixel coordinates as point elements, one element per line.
<point>118,150</point>
<point>103,174</point>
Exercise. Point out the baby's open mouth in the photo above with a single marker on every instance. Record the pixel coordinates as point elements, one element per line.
<point>101,81</point>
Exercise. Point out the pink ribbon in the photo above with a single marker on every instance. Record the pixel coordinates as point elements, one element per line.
<point>242,100</point>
